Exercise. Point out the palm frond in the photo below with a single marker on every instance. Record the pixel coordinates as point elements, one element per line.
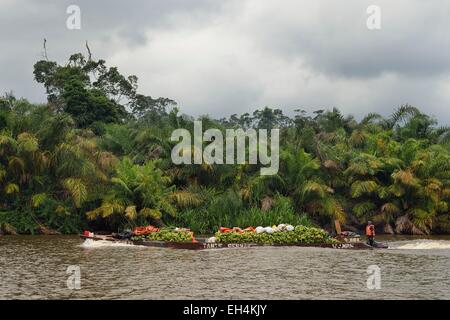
<point>405,177</point>
<point>185,198</point>
<point>77,190</point>
<point>389,208</point>
<point>38,199</point>
<point>130,212</point>
<point>150,213</point>
<point>359,188</point>
<point>11,188</point>
<point>362,209</point>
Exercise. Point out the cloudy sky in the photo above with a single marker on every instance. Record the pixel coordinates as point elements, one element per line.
<point>220,57</point>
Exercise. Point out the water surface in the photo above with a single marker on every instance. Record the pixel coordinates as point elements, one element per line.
<point>34,267</point>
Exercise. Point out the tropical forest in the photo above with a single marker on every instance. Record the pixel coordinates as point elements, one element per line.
<point>97,155</point>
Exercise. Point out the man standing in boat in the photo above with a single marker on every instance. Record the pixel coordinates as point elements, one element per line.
<point>370,233</point>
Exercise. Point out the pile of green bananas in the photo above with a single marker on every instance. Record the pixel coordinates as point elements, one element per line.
<point>300,234</point>
<point>169,235</point>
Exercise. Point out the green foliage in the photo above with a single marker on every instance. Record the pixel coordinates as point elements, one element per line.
<point>281,212</point>
<point>140,193</point>
<point>227,210</point>
<point>168,235</point>
<point>98,153</point>
<point>300,235</point>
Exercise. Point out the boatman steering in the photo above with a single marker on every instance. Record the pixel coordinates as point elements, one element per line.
<point>370,233</point>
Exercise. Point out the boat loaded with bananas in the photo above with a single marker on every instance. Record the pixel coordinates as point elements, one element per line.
<point>281,235</point>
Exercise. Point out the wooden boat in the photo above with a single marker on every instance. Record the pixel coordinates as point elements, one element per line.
<point>201,244</point>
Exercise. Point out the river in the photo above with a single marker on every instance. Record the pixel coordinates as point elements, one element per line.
<point>35,267</point>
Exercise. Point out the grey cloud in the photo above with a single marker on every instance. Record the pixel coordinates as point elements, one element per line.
<point>24,24</point>
<point>333,38</point>
<point>224,57</point>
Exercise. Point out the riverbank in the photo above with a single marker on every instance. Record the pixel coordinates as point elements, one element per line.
<point>44,231</point>
<point>115,173</point>
<point>104,232</point>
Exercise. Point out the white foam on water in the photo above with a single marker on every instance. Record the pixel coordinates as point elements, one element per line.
<point>421,245</point>
<point>89,243</point>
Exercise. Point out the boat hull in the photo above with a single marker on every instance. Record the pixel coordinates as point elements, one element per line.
<point>201,245</point>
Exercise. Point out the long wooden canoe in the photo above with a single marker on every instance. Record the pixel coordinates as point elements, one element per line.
<point>202,245</point>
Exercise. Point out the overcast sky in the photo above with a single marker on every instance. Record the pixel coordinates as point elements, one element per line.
<point>232,56</point>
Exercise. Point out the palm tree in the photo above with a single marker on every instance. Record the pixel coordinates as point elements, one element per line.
<point>300,173</point>
<point>139,193</point>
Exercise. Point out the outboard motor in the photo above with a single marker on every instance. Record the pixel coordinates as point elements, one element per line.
<point>380,245</point>
<point>126,234</point>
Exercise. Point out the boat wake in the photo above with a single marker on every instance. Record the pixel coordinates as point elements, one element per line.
<point>89,244</point>
<point>420,245</point>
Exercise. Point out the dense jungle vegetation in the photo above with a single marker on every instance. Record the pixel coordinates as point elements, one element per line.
<point>97,155</point>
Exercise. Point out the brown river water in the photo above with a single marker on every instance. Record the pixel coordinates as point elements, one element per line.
<point>34,267</point>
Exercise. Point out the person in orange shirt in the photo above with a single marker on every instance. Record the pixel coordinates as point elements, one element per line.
<point>370,233</point>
